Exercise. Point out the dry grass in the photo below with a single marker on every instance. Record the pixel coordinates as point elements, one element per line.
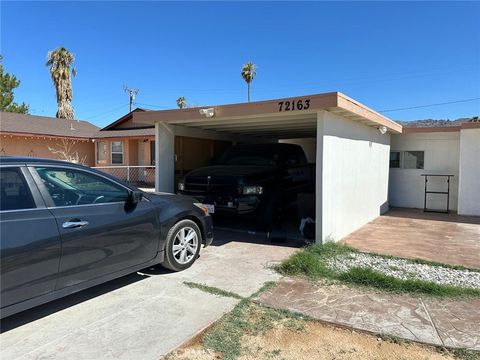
<point>263,335</point>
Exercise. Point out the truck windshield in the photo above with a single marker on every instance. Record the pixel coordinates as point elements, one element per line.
<point>251,155</point>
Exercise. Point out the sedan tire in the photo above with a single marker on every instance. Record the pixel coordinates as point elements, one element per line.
<point>184,240</point>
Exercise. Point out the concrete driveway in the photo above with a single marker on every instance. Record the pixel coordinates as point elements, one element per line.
<point>147,314</point>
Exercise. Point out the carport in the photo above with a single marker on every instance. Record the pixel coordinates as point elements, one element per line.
<point>351,148</point>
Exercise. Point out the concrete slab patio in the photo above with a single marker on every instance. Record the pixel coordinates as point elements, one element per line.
<point>412,233</point>
<point>452,323</point>
<point>143,315</point>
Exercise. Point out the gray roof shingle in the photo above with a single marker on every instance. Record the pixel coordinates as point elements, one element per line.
<point>42,125</point>
<point>125,133</point>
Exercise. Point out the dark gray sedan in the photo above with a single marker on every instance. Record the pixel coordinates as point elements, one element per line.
<point>66,227</point>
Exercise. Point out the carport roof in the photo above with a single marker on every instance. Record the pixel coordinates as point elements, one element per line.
<point>267,119</point>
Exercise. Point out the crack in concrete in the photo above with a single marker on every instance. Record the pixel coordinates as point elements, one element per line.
<point>432,322</point>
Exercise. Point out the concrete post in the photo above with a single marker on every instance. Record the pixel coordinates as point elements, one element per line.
<point>164,157</point>
<point>319,179</point>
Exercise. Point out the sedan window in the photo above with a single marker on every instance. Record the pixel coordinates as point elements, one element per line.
<point>71,187</point>
<point>14,191</point>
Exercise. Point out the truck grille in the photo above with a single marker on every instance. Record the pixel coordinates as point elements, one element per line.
<point>202,185</point>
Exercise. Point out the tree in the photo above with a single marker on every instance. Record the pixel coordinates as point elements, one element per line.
<point>7,84</point>
<point>60,61</point>
<point>249,70</point>
<point>181,102</point>
<point>65,150</point>
<point>474,119</point>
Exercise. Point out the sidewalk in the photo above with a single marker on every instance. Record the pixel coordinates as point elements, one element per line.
<point>440,322</point>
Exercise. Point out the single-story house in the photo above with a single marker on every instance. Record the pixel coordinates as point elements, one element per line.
<point>126,143</point>
<point>365,162</point>
<point>352,148</point>
<point>40,136</point>
<point>453,150</point>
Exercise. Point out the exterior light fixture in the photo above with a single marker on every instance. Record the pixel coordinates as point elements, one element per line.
<point>382,129</point>
<point>208,112</point>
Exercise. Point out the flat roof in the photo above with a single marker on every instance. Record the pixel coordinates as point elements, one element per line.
<point>430,129</point>
<point>271,118</point>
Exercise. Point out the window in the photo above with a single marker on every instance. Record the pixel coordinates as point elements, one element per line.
<point>117,152</point>
<point>395,159</point>
<point>152,152</point>
<point>101,151</point>
<point>14,191</point>
<point>70,187</point>
<point>407,159</point>
<point>413,160</point>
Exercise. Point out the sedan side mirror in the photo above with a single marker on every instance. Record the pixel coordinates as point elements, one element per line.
<point>135,197</point>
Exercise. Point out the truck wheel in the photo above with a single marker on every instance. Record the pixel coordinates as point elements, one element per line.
<point>183,245</point>
<point>268,212</point>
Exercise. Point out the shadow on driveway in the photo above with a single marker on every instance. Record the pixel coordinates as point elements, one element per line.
<point>52,307</point>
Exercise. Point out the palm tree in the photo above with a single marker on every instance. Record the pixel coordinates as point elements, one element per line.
<point>181,102</point>
<point>249,70</point>
<point>60,62</point>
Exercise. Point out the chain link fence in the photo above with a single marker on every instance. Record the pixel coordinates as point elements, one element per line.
<point>139,176</point>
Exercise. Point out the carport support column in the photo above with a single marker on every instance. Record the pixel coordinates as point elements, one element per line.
<point>164,157</point>
<point>319,238</point>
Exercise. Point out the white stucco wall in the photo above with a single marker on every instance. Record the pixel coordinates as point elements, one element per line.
<point>309,146</point>
<point>469,180</point>
<point>352,175</point>
<point>407,186</point>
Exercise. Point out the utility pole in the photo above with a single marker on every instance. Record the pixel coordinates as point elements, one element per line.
<point>131,94</point>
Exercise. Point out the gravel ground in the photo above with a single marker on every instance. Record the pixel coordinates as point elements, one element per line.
<point>404,269</point>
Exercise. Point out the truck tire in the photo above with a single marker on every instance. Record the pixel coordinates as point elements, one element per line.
<point>269,211</point>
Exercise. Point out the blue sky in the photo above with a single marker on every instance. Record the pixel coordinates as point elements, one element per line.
<point>386,55</point>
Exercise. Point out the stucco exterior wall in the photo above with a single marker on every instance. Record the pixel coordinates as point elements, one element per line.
<point>469,178</point>
<point>442,151</point>
<point>352,175</point>
<point>39,147</point>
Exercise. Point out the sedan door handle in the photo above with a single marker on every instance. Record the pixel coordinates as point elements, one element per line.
<point>74,224</point>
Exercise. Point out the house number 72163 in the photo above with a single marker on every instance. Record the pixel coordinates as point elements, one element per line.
<point>293,105</point>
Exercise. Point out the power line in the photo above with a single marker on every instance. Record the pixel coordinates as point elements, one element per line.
<point>106,112</point>
<point>372,78</point>
<point>430,105</point>
<point>155,106</point>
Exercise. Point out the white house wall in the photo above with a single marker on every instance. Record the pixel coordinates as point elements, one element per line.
<point>441,156</point>
<point>469,186</point>
<point>352,175</point>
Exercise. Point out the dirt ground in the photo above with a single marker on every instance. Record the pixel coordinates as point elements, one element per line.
<point>315,340</point>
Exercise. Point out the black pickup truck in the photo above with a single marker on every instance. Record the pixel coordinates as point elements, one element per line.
<point>258,179</point>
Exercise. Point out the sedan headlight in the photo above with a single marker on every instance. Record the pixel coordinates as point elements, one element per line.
<point>252,190</point>
<point>181,186</point>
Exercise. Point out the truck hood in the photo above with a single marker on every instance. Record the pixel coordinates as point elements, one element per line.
<point>234,171</point>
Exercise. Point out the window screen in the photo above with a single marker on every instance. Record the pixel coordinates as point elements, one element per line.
<point>101,151</point>
<point>14,191</point>
<point>117,152</point>
<point>413,159</point>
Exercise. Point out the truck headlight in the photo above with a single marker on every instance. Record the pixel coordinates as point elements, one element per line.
<point>181,186</point>
<point>252,190</point>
